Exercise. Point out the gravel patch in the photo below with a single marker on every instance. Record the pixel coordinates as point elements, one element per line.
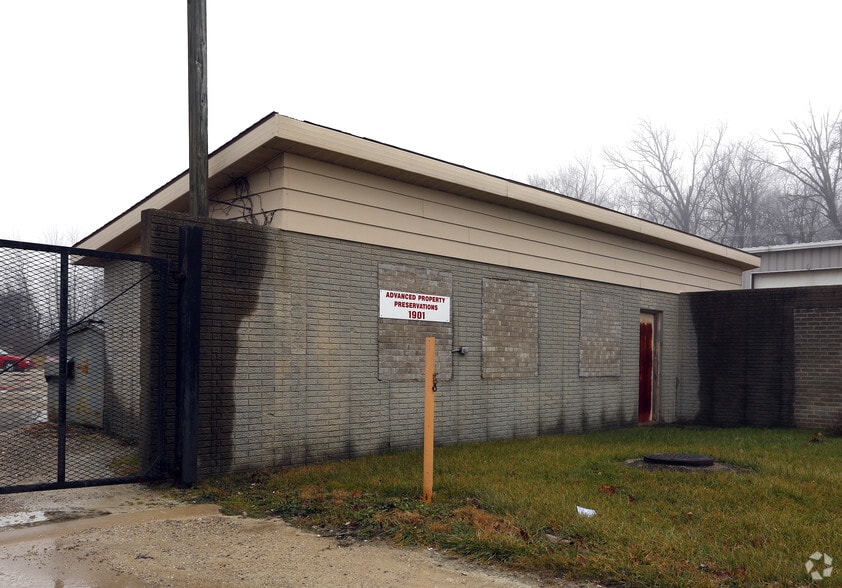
<point>149,541</point>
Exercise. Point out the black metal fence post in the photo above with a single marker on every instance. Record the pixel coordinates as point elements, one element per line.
<point>62,369</point>
<point>160,451</point>
<point>187,369</point>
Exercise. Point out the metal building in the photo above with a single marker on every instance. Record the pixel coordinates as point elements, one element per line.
<point>799,264</point>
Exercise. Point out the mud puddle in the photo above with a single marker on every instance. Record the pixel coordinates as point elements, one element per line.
<point>50,553</point>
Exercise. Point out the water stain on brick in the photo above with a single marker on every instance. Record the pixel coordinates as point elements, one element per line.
<point>234,260</point>
<point>747,362</point>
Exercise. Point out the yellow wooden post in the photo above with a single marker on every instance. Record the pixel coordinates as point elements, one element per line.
<point>429,418</point>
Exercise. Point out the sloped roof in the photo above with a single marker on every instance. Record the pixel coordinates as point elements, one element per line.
<point>276,134</point>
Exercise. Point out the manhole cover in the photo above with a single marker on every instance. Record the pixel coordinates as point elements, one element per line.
<point>692,460</point>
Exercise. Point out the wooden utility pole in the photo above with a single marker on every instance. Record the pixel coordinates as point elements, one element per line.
<point>188,331</point>
<point>197,48</point>
<point>190,253</point>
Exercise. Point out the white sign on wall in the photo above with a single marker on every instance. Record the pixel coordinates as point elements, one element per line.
<point>414,307</point>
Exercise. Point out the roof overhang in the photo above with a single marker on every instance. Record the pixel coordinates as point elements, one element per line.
<point>275,134</point>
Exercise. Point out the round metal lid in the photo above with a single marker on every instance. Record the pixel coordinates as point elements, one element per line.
<point>693,460</point>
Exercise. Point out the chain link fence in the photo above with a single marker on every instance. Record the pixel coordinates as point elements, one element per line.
<point>81,367</point>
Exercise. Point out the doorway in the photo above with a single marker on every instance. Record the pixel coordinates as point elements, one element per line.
<point>648,381</point>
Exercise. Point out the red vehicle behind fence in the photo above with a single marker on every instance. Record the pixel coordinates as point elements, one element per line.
<point>10,362</point>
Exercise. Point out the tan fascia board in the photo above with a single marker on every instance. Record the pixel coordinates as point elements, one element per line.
<point>278,134</point>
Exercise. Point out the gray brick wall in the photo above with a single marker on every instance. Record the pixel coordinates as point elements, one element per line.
<point>688,403</point>
<point>767,357</point>
<point>123,339</point>
<point>293,360</point>
<point>131,325</point>
<point>818,367</point>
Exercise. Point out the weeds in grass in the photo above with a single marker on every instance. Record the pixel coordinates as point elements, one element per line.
<point>514,503</point>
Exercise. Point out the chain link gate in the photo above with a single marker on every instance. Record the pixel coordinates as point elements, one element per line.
<point>82,367</point>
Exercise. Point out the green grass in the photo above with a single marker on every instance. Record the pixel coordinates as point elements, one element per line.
<point>514,503</point>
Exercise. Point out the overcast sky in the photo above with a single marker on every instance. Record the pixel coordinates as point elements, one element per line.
<point>93,106</point>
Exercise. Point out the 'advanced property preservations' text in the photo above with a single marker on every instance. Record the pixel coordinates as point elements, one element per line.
<point>414,306</point>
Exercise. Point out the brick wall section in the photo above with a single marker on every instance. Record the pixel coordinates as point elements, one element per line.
<point>238,337</point>
<point>132,293</point>
<point>744,354</point>
<point>291,357</point>
<point>601,329</point>
<point>746,344</point>
<point>818,368</point>
<point>509,329</point>
<point>688,404</point>
<point>123,339</point>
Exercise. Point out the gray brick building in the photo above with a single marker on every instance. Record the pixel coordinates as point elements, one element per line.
<point>562,316</point>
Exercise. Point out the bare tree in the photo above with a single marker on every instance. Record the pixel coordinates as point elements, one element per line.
<point>20,319</point>
<point>672,188</point>
<point>581,180</point>
<point>56,235</point>
<point>791,218</point>
<point>811,154</point>
<point>740,191</point>
<point>84,283</point>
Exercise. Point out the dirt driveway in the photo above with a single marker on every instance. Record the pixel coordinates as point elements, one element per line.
<point>131,536</point>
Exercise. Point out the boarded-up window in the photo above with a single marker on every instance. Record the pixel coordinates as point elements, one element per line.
<point>509,329</point>
<point>402,343</point>
<point>599,335</point>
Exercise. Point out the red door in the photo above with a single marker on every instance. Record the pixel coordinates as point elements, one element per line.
<point>647,331</point>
